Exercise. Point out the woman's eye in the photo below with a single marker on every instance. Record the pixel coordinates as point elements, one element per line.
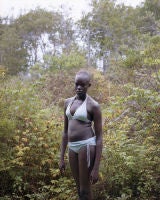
<point>82,85</point>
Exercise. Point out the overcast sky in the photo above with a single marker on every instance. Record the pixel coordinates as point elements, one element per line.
<point>73,7</point>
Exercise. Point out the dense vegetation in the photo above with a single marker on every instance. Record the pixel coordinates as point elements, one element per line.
<point>127,42</point>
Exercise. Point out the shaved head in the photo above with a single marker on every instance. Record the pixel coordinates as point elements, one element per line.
<point>84,74</point>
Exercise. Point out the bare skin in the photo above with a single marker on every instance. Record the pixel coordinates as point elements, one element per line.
<point>76,130</point>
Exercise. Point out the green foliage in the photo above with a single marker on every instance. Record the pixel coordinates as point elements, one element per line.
<point>56,83</point>
<point>3,71</point>
<point>65,61</point>
<point>149,56</point>
<point>30,139</point>
<point>25,39</point>
<point>37,21</point>
<point>152,52</point>
<point>13,53</point>
<point>153,6</point>
<point>31,110</point>
<point>109,27</point>
<point>130,164</point>
<point>143,65</point>
<point>133,59</point>
<point>31,123</point>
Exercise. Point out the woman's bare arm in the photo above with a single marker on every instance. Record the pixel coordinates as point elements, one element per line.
<point>97,118</point>
<point>64,140</point>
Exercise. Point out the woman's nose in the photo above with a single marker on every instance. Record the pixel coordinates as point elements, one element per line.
<point>78,87</point>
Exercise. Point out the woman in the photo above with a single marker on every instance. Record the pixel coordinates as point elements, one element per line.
<point>85,142</point>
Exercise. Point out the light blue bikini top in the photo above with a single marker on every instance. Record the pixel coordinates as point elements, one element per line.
<point>80,113</point>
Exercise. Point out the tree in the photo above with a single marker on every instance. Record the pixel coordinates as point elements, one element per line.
<point>45,31</point>
<point>24,41</point>
<point>154,7</point>
<point>32,27</point>
<point>108,27</point>
<point>13,53</point>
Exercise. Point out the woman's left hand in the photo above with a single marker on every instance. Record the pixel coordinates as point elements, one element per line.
<point>94,176</point>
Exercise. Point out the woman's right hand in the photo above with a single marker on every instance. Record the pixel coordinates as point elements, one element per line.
<point>62,166</point>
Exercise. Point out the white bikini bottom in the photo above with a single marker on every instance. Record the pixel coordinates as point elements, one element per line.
<point>76,146</point>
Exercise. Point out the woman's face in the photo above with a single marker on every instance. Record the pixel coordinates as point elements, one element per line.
<point>81,84</point>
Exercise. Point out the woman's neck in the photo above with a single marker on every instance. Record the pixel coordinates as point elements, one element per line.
<point>81,97</point>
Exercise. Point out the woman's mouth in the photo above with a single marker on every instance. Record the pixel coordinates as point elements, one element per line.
<point>79,91</point>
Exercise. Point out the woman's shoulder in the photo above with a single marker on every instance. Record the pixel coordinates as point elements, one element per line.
<point>67,101</point>
<point>92,102</point>
<point>93,106</point>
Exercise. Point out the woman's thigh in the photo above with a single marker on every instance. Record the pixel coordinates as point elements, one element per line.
<point>73,160</point>
<point>84,171</point>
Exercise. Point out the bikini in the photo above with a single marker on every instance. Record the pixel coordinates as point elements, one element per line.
<point>80,114</point>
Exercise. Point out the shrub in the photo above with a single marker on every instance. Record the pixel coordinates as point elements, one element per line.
<point>130,156</point>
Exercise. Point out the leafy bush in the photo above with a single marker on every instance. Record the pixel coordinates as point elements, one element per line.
<point>65,61</point>
<point>131,163</point>
<point>31,122</point>
<point>133,59</point>
<point>30,139</point>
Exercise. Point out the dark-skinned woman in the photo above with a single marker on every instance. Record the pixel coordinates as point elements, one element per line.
<point>83,135</point>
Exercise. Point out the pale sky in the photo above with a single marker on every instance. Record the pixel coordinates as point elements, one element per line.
<point>73,7</point>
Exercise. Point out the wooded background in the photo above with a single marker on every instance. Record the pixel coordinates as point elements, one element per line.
<point>40,53</point>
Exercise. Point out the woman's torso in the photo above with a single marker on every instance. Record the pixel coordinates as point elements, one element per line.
<point>79,119</point>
